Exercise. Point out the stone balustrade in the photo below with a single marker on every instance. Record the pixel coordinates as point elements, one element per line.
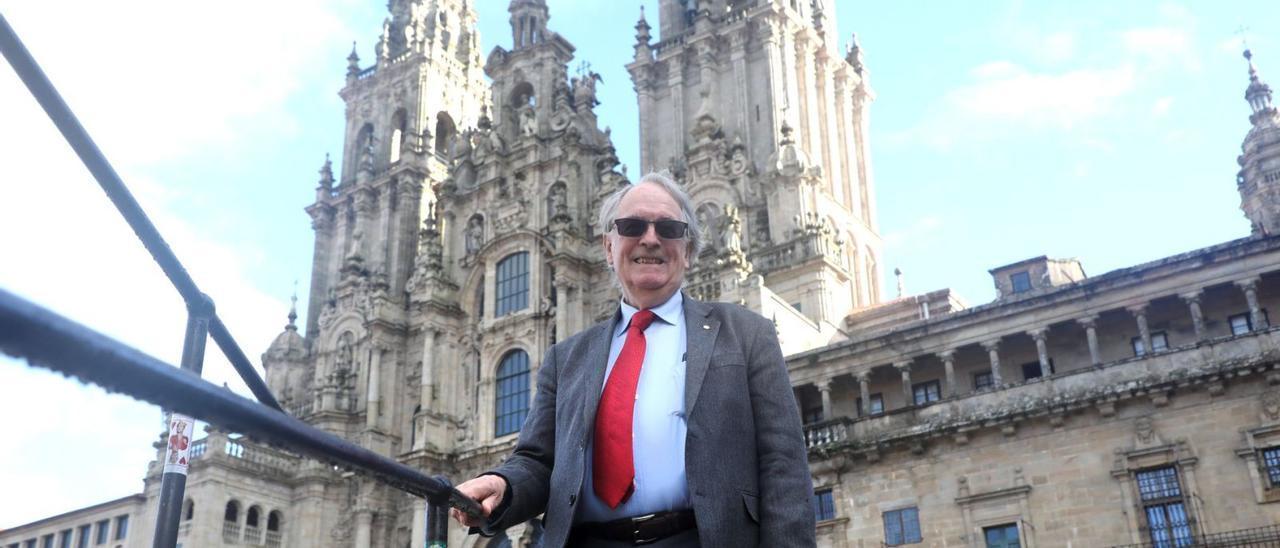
<point>1206,363</point>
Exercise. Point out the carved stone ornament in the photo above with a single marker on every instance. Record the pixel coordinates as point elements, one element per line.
<point>1270,405</point>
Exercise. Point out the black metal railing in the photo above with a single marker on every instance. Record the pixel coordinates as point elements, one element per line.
<point>1257,537</point>
<point>45,339</point>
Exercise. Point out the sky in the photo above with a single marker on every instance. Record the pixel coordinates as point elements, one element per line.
<point>1002,130</point>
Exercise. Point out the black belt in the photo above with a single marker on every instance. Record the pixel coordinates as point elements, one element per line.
<point>640,529</point>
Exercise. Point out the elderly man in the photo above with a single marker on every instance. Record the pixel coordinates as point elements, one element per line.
<point>671,424</point>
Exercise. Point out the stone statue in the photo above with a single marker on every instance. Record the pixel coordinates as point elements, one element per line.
<point>731,230</point>
<point>528,121</point>
<point>558,201</point>
<point>475,234</point>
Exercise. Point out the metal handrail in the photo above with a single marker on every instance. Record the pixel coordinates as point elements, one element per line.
<point>76,136</point>
<point>46,339</point>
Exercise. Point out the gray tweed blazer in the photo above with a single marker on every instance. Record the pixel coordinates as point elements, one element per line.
<point>745,457</point>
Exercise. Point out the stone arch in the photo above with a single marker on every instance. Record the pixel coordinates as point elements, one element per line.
<point>522,95</point>
<point>253,517</point>
<point>446,131</point>
<point>399,127</point>
<point>232,511</point>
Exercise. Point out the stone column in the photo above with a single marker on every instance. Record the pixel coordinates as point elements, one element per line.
<point>364,527</point>
<point>864,390</point>
<point>993,352</point>
<point>418,529</point>
<point>904,367</point>
<point>1250,288</point>
<point>374,392</point>
<point>824,387</point>
<point>948,358</point>
<point>1090,324</point>
<point>1197,316</point>
<point>1139,312</point>
<point>428,376</point>
<point>1042,351</point>
<point>564,310</point>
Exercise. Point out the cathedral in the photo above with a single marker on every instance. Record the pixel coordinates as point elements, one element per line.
<point>457,240</point>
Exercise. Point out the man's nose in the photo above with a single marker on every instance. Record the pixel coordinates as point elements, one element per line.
<point>650,236</point>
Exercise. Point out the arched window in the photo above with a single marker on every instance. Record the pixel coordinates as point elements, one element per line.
<point>188,510</point>
<point>232,513</point>
<point>512,403</point>
<point>444,133</point>
<point>512,284</point>
<point>273,521</point>
<point>251,517</point>
<point>399,123</point>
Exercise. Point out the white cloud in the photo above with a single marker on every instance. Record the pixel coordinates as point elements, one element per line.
<point>1007,92</point>
<point>154,82</point>
<point>1161,107</point>
<point>1161,46</point>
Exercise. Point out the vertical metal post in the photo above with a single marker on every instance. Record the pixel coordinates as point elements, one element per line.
<point>173,484</point>
<point>438,519</point>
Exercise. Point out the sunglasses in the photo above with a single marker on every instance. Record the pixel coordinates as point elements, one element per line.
<point>667,229</point>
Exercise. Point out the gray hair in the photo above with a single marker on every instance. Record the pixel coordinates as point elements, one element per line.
<point>609,209</point>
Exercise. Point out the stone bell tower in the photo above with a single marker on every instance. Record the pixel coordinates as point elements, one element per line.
<point>749,104</point>
<point>1259,178</point>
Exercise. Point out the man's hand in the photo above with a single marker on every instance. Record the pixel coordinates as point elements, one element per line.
<point>487,490</point>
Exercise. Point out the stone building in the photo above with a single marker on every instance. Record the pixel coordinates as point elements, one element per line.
<point>455,244</point>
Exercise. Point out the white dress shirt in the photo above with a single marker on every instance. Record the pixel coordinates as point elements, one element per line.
<point>658,425</point>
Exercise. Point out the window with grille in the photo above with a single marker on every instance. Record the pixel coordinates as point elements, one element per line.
<point>1240,324</point>
<point>1159,343</point>
<point>926,392</point>
<point>512,284</point>
<point>512,403</point>
<point>983,381</point>
<point>877,405</point>
<point>824,505</point>
<point>902,527</point>
<point>1002,536</point>
<point>1162,502</point>
<point>1271,465</point>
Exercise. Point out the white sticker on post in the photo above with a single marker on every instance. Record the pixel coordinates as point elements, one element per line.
<point>178,456</point>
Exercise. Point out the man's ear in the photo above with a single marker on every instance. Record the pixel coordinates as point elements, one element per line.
<point>608,249</point>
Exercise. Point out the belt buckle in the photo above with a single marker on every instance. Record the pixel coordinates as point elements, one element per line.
<point>635,533</point>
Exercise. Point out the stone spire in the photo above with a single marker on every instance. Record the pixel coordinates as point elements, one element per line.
<point>1258,94</point>
<point>353,64</point>
<point>293,309</point>
<point>1259,179</point>
<point>528,23</point>
<point>853,55</point>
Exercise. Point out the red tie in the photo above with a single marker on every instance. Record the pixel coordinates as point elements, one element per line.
<point>614,467</point>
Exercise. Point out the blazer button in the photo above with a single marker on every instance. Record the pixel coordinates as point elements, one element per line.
<point>573,499</point>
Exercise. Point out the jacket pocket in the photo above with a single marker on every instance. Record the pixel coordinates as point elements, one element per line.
<point>726,359</point>
<point>752,502</point>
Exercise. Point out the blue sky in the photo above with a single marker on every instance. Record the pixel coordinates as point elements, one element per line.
<point>1105,131</point>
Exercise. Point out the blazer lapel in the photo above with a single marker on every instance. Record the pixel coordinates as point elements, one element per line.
<point>700,337</point>
<point>597,361</point>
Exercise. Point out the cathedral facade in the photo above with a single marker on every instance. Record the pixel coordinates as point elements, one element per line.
<point>457,241</point>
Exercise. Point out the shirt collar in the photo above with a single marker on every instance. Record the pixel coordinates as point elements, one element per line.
<point>668,312</point>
